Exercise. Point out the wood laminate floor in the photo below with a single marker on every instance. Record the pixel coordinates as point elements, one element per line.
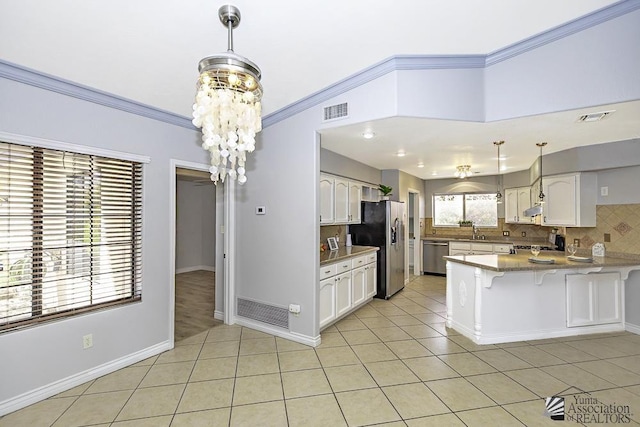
<point>195,303</point>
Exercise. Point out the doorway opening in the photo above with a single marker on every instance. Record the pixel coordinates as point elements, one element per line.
<point>413,228</point>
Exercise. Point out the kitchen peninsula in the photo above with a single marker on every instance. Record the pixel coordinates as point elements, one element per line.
<point>504,298</point>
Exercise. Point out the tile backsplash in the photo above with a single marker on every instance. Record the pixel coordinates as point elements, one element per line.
<point>620,222</point>
<point>327,231</point>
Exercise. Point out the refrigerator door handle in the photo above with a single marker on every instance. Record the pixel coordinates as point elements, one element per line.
<point>394,232</point>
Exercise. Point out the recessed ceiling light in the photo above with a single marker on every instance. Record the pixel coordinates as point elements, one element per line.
<point>420,165</point>
<point>434,173</point>
<point>401,153</point>
<point>368,134</point>
<point>594,117</point>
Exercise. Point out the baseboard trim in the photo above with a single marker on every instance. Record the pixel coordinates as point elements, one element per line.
<point>44,392</point>
<point>195,268</point>
<point>629,327</point>
<point>538,335</point>
<point>218,315</point>
<point>291,336</point>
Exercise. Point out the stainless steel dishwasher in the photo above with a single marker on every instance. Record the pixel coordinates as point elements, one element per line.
<point>432,253</point>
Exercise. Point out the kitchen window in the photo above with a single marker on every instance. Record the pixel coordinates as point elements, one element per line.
<point>450,209</point>
<point>70,233</point>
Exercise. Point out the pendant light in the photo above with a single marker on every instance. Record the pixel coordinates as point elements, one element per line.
<point>541,194</point>
<point>498,193</point>
<point>227,106</point>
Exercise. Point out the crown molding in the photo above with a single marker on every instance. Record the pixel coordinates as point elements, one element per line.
<point>579,24</point>
<point>51,83</point>
<point>395,63</point>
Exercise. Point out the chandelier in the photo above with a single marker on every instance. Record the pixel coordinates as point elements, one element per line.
<point>498,193</point>
<point>227,106</point>
<point>463,171</point>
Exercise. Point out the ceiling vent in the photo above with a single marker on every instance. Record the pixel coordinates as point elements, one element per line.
<point>594,117</point>
<point>337,111</point>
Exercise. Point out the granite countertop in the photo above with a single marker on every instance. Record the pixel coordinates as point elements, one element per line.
<point>343,252</point>
<point>505,240</point>
<point>520,262</point>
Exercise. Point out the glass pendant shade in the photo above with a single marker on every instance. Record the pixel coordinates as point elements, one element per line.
<point>227,106</point>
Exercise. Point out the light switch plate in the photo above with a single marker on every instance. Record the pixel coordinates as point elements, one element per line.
<point>261,210</point>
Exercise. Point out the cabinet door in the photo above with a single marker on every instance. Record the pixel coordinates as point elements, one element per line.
<point>524,203</point>
<point>372,278</point>
<point>327,201</point>
<point>355,197</point>
<point>343,293</point>
<point>358,285</point>
<point>511,212</point>
<point>327,311</point>
<point>580,302</point>
<point>341,201</point>
<point>560,200</point>
<point>608,298</point>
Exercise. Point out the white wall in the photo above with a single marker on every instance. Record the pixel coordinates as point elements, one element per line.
<point>43,355</point>
<point>195,226</point>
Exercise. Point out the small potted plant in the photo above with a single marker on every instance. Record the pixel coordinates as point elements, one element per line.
<point>386,191</point>
<point>465,223</point>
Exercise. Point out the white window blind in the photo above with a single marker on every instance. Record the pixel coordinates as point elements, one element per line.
<point>70,233</point>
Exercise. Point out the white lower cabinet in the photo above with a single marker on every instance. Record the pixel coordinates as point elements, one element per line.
<point>327,301</point>
<point>344,286</point>
<point>358,285</point>
<point>593,299</point>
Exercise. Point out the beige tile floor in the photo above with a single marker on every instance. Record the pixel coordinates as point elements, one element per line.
<point>391,363</point>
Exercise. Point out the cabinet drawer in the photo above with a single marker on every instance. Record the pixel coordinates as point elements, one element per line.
<point>327,271</point>
<point>482,247</point>
<point>343,266</point>
<point>372,257</point>
<point>359,261</point>
<point>502,249</point>
<point>457,246</point>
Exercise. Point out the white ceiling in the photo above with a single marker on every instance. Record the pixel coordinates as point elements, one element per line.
<point>148,51</point>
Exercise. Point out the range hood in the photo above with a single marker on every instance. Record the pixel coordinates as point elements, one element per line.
<point>533,211</point>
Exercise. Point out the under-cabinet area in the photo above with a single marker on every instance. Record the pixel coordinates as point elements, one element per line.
<point>346,284</point>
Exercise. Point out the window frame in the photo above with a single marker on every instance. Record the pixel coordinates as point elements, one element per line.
<point>464,208</point>
<point>133,266</point>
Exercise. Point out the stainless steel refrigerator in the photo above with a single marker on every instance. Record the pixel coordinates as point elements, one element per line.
<point>383,226</point>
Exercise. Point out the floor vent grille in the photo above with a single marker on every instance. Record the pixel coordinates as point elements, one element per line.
<point>337,111</point>
<point>265,313</point>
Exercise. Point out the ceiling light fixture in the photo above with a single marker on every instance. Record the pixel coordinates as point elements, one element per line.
<point>401,153</point>
<point>594,117</point>
<point>463,171</point>
<point>227,106</point>
<point>498,193</point>
<point>541,194</point>
<point>368,135</point>
<point>420,165</point>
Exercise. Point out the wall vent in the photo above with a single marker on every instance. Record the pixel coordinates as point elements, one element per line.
<point>594,117</point>
<point>337,111</point>
<point>265,313</point>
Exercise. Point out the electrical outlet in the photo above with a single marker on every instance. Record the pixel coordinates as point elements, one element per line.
<point>576,242</point>
<point>523,234</point>
<point>294,309</point>
<point>505,233</point>
<point>87,341</point>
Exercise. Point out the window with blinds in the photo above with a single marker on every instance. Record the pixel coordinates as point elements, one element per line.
<point>70,234</point>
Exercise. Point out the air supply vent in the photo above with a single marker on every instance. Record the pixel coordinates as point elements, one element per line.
<point>594,117</point>
<point>337,111</point>
<point>265,313</point>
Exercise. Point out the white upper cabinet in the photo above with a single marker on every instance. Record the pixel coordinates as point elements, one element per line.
<point>355,197</point>
<point>327,199</point>
<point>570,200</point>
<point>516,201</point>
<point>339,200</point>
<point>342,201</point>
